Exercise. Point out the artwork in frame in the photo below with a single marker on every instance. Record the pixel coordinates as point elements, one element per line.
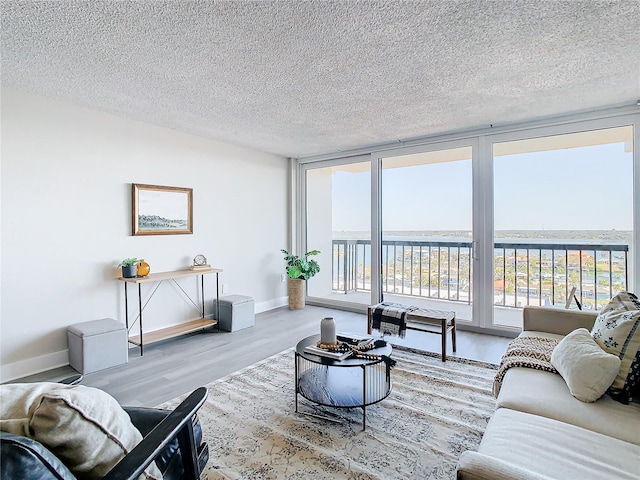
<point>158,210</point>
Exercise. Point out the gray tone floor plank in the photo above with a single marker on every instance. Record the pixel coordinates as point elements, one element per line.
<point>179,365</point>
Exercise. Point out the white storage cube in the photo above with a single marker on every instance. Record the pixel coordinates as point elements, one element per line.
<point>97,344</point>
<point>236,312</point>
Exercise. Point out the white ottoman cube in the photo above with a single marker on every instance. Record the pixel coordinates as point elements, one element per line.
<point>236,312</point>
<point>97,344</point>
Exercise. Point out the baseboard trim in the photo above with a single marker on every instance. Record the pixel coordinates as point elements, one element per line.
<point>31,366</point>
<point>271,304</point>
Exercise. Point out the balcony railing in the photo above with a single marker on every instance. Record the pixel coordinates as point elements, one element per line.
<point>524,273</point>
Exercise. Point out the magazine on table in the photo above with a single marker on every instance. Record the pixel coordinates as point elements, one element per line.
<point>327,353</point>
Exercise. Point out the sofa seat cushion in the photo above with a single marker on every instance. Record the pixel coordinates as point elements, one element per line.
<point>475,466</point>
<point>546,394</point>
<point>557,450</point>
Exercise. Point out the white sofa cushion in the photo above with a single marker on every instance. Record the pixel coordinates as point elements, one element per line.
<point>586,368</point>
<point>475,466</point>
<point>546,394</point>
<point>557,450</point>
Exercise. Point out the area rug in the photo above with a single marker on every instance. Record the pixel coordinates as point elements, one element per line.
<point>435,412</point>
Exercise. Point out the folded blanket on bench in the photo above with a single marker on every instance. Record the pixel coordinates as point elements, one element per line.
<point>529,352</point>
<point>391,318</point>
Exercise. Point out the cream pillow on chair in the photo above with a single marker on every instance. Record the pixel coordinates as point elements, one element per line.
<point>586,368</point>
<point>84,427</point>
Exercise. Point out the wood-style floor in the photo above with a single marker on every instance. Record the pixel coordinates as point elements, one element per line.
<point>179,365</point>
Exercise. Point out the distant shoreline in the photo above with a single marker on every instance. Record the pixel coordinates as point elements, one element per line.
<point>578,236</point>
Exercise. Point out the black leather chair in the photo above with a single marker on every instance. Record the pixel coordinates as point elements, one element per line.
<point>173,439</point>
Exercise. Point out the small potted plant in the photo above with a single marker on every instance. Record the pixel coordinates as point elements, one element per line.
<point>299,269</point>
<point>129,267</point>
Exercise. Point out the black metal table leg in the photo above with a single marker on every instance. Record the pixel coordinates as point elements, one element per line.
<point>202,290</point>
<point>140,310</point>
<point>217,302</point>
<point>296,376</point>
<point>126,308</point>
<point>364,398</point>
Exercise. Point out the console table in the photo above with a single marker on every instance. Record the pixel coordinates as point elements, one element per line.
<point>182,328</point>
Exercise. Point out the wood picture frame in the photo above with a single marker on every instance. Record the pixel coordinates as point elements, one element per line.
<point>160,210</point>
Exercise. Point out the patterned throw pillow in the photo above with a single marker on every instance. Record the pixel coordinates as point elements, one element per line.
<point>617,331</point>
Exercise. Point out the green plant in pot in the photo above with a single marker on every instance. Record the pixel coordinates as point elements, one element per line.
<point>299,269</point>
<point>129,267</point>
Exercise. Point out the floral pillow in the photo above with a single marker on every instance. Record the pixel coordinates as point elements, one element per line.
<point>617,331</point>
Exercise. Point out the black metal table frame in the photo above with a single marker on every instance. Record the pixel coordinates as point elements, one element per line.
<point>329,363</point>
<point>142,307</point>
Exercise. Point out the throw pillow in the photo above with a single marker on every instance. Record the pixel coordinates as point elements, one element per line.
<point>84,427</point>
<point>617,331</point>
<point>586,368</point>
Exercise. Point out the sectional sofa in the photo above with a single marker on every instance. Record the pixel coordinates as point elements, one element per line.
<point>541,431</point>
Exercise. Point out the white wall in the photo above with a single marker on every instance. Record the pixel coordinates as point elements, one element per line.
<point>66,223</point>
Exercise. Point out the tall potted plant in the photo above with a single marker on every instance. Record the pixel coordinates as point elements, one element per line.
<point>299,270</point>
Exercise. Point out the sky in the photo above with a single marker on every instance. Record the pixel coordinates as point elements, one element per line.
<point>170,205</point>
<point>585,188</point>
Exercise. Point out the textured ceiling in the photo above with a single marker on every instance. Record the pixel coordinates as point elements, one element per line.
<point>303,78</point>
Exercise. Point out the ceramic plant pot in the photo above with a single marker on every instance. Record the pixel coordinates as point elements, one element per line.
<point>129,272</point>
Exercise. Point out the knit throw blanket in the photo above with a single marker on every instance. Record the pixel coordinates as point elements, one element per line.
<point>391,318</point>
<point>529,352</point>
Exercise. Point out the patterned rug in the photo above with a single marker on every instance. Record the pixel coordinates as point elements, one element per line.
<point>434,413</point>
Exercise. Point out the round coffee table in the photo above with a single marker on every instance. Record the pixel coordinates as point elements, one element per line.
<point>349,383</point>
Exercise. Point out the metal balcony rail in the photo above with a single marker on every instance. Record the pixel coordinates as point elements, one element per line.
<point>524,273</point>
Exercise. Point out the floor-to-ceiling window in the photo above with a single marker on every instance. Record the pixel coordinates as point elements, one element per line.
<point>563,218</point>
<point>484,224</point>
<point>338,213</point>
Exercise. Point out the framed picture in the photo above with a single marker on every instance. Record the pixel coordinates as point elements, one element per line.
<point>158,210</point>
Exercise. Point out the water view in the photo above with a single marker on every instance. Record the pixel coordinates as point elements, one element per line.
<point>530,267</point>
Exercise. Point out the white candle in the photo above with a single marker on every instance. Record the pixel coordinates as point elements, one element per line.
<point>328,331</point>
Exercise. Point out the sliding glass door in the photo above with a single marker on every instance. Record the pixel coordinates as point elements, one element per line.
<point>427,229</point>
<point>422,253</point>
